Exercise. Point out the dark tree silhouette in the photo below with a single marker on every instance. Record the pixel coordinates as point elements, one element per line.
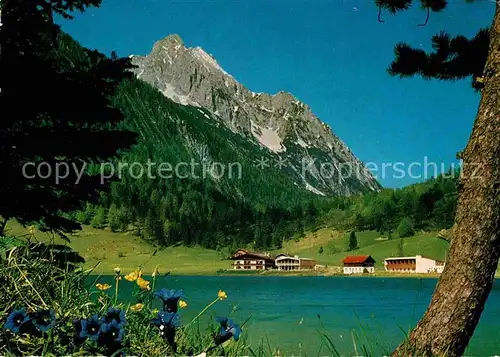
<point>353,241</point>
<point>54,109</point>
<point>464,286</point>
<point>453,58</point>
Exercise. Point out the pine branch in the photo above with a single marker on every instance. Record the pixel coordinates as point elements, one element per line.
<point>452,58</point>
<point>434,5</point>
<point>426,19</point>
<point>394,6</point>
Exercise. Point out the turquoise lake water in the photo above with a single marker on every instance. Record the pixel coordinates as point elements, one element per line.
<point>292,312</point>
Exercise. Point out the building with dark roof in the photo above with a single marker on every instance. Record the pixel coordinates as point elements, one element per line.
<point>247,260</point>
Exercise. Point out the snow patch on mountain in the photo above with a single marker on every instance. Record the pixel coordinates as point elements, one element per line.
<point>301,142</point>
<point>313,189</point>
<point>267,137</point>
<point>169,92</point>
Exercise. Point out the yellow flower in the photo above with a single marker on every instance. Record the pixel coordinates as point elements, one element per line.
<point>133,276</point>
<point>182,304</point>
<point>32,230</point>
<point>102,287</point>
<point>222,295</point>
<point>143,284</point>
<point>137,307</point>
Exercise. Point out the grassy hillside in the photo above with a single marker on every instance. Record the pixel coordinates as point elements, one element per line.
<point>107,250</point>
<point>334,244</point>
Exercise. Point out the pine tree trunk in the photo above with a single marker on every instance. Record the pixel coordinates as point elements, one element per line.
<point>459,298</point>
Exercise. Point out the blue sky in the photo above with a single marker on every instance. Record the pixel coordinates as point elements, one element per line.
<point>332,55</point>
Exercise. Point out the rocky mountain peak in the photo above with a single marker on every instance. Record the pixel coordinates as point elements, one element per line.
<point>170,40</point>
<point>279,123</point>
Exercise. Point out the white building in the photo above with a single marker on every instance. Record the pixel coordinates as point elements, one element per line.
<point>358,264</point>
<point>416,264</point>
<point>246,260</point>
<point>289,263</point>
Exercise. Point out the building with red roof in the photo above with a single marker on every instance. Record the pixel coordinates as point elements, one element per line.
<point>358,264</point>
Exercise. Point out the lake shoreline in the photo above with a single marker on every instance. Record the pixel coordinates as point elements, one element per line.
<point>322,273</point>
<point>285,274</point>
<point>292,274</point>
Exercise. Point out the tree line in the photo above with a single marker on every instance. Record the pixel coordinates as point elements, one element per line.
<point>196,213</point>
<point>429,205</point>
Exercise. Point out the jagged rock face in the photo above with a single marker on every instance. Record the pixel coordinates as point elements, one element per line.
<point>315,157</point>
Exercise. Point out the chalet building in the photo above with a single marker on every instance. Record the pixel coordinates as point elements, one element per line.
<point>358,264</point>
<point>286,262</point>
<point>246,260</point>
<point>416,264</point>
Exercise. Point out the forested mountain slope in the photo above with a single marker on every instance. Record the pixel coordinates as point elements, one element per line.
<point>284,127</point>
<point>227,198</point>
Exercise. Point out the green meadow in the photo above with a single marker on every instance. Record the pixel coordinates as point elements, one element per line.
<point>104,250</point>
<point>335,243</point>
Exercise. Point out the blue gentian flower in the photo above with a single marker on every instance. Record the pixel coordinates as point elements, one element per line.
<point>89,328</point>
<point>16,320</point>
<point>227,330</point>
<point>167,322</point>
<point>44,320</point>
<point>166,319</point>
<point>111,332</point>
<point>170,298</point>
<point>117,315</point>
